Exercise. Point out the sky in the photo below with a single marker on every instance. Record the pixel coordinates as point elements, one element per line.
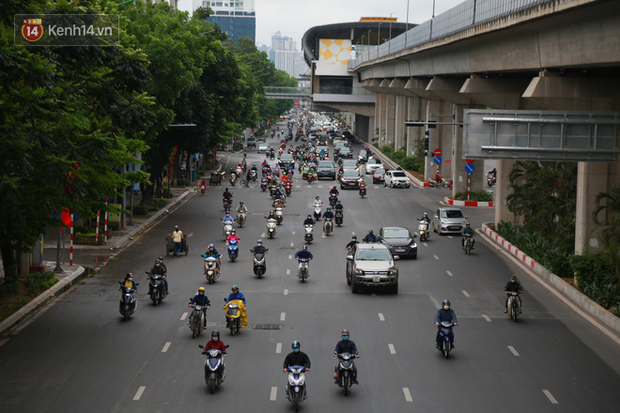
<point>293,18</point>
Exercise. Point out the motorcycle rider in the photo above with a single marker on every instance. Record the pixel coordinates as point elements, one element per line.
<point>128,282</point>
<point>242,208</point>
<point>308,220</point>
<point>228,219</point>
<point>513,286</point>
<point>317,202</point>
<point>216,344</point>
<point>425,218</point>
<point>352,242</point>
<point>271,215</point>
<point>212,252</point>
<point>203,300</point>
<point>370,237</point>
<point>328,214</point>
<point>468,231</point>
<point>303,254</point>
<point>235,295</point>
<point>445,313</point>
<point>296,358</point>
<point>334,191</point>
<point>233,236</point>
<point>227,196</point>
<point>346,346</point>
<point>339,206</point>
<point>158,269</point>
<point>161,261</point>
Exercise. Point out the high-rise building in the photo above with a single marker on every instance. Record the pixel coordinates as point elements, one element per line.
<point>285,56</point>
<point>236,18</point>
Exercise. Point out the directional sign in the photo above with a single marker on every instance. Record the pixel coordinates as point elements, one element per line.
<point>469,168</point>
<point>437,152</point>
<point>470,160</point>
<point>437,160</point>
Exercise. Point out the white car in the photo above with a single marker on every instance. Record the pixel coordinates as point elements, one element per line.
<point>395,179</point>
<point>372,165</point>
<point>263,148</point>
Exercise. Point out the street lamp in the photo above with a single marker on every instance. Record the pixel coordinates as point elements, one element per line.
<point>379,33</point>
<point>391,25</point>
<point>369,37</point>
<point>433,9</point>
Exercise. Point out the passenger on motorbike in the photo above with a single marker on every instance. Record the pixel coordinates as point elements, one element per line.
<point>203,300</point>
<point>309,220</point>
<point>228,219</point>
<point>212,252</point>
<point>236,295</point>
<point>468,231</point>
<point>370,237</point>
<point>334,191</point>
<point>445,313</point>
<point>513,286</point>
<point>346,346</point>
<point>158,269</point>
<point>303,254</point>
<point>296,358</point>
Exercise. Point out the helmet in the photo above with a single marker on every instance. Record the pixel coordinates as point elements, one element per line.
<point>235,287</point>
<point>309,216</point>
<point>241,203</point>
<point>176,227</point>
<point>201,289</point>
<point>226,190</point>
<point>305,248</point>
<point>296,345</point>
<point>259,241</point>
<point>467,225</point>
<point>426,214</point>
<point>129,275</point>
<point>446,302</point>
<point>334,186</point>
<point>345,334</point>
<point>160,258</point>
<point>354,237</point>
<point>328,209</point>
<point>215,335</point>
<point>370,232</point>
<point>211,246</point>
<point>233,231</point>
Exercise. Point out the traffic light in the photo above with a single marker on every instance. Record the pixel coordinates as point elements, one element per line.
<point>426,143</point>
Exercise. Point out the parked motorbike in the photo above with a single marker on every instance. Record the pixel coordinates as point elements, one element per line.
<point>333,200</point>
<point>423,230</point>
<point>468,245</point>
<point>446,336</point>
<point>514,305</point>
<point>197,320</point>
<point>308,235</point>
<point>362,191</point>
<point>328,226</point>
<point>128,304</point>
<point>210,269</point>
<point>346,368</point>
<point>260,265</point>
<point>279,215</point>
<point>303,271</point>
<point>233,249</point>
<point>227,229</point>
<point>339,216</point>
<point>214,368</point>
<point>241,219</point>
<point>296,387</point>
<point>272,227</point>
<point>157,288</point>
<point>232,310</point>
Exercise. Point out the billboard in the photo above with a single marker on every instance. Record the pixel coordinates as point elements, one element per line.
<point>334,51</point>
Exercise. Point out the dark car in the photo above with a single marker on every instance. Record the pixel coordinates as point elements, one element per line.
<point>363,156</point>
<point>286,159</point>
<point>378,176</point>
<point>345,152</point>
<point>326,169</point>
<point>400,241</point>
<point>350,178</point>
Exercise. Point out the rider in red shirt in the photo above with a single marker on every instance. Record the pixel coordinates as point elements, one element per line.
<point>232,236</point>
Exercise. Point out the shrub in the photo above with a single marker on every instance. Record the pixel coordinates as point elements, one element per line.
<point>38,282</point>
<point>181,182</point>
<point>167,193</point>
<point>140,209</point>
<point>481,196</point>
<point>160,202</point>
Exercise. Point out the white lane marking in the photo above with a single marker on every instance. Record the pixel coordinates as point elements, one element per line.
<point>513,351</point>
<point>450,237</point>
<point>381,317</point>
<point>278,348</point>
<point>465,293</point>
<point>288,272</point>
<point>282,316</point>
<point>486,317</point>
<point>290,257</point>
<point>352,233</point>
<point>292,244</point>
<point>550,396</point>
<point>139,393</point>
<point>285,292</point>
<point>293,233</point>
<point>191,234</point>
<point>274,393</point>
<point>166,347</point>
<point>376,187</point>
<point>297,186</point>
<point>436,257</point>
<point>425,244</point>
<point>184,316</point>
<point>323,235</point>
<point>263,235</point>
<point>449,273</point>
<point>407,394</point>
<point>392,349</point>
<point>320,186</point>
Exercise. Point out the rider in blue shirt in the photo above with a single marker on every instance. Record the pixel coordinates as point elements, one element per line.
<point>303,254</point>
<point>235,295</point>
<point>203,300</point>
<point>346,346</point>
<point>228,219</point>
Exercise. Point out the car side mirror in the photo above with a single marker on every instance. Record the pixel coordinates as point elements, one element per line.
<point>466,217</point>
<point>396,257</point>
<point>350,257</point>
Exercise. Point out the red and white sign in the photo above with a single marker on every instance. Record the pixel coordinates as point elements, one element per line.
<point>437,152</point>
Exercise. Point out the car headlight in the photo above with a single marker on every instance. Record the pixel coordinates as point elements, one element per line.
<point>359,272</point>
<point>393,271</point>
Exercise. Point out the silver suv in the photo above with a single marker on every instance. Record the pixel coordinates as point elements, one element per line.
<point>371,266</point>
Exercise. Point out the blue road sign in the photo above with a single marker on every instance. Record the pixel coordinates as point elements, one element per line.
<point>469,168</point>
<point>437,160</point>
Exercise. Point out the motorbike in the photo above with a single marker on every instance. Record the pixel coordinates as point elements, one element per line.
<point>514,305</point>
<point>197,320</point>
<point>362,191</point>
<point>308,235</point>
<point>263,184</point>
<point>253,175</point>
<point>346,368</point>
<point>227,229</point>
<point>317,212</point>
<point>339,216</point>
<point>310,178</point>
<point>279,215</point>
<point>210,269</point>
<point>232,178</point>
<point>227,203</point>
<point>328,226</point>
<point>272,155</point>
<point>214,368</point>
<point>468,245</point>
<point>202,190</point>
<point>128,304</point>
<point>156,287</point>
<point>303,271</point>
<point>232,311</point>
<point>491,180</point>
<point>446,337</point>
<point>423,230</point>
<point>238,170</point>
<point>241,219</point>
<point>260,266</point>
<point>272,227</point>
<point>233,249</point>
<point>333,200</point>
<point>296,387</point>
<point>287,188</point>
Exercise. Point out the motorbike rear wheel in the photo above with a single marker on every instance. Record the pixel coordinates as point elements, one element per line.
<point>126,316</point>
<point>154,298</point>
<point>514,310</point>
<point>446,348</point>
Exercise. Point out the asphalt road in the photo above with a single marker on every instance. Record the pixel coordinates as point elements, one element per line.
<point>80,356</point>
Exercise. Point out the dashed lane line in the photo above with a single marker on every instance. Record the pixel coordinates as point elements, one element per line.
<point>278,348</point>
<point>513,351</point>
<point>465,293</point>
<point>425,244</point>
<point>286,292</point>
<point>449,273</point>
<point>139,392</point>
<point>290,257</point>
<point>274,393</point>
<point>550,396</point>
<point>436,257</point>
<point>392,349</point>
<point>282,316</point>
<point>292,244</point>
<point>381,318</point>
<point>293,233</point>
<point>407,394</point>
<point>184,316</point>
<point>166,347</point>
<point>486,317</point>
<point>288,271</point>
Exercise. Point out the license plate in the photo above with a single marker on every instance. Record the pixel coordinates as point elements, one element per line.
<point>376,279</point>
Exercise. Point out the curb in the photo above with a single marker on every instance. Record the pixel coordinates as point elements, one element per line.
<point>41,300</point>
<point>556,283</point>
<point>468,203</point>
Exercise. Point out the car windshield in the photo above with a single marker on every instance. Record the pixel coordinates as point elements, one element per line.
<point>374,161</point>
<point>373,255</point>
<point>286,157</point>
<point>321,148</point>
<point>379,171</point>
<point>396,233</point>
<point>399,174</point>
<point>345,149</point>
<point>350,174</point>
<point>340,144</point>
<point>325,164</point>
<point>451,213</point>
<point>349,164</point>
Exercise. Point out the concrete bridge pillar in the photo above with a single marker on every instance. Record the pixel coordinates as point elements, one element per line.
<point>501,192</point>
<point>400,116</point>
<point>380,119</point>
<point>416,109</point>
<point>440,137</point>
<point>458,163</point>
<point>390,117</point>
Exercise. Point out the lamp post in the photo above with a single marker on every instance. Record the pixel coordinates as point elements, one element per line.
<point>391,26</point>
<point>369,37</point>
<point>379,33</point>
<point>407,24</point>
<point>433,9</point>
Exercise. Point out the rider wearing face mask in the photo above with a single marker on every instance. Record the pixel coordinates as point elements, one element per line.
<point>445,313</point>
<point>202,300</point>
<point>346,346</point>
<point>296,358</point>
<point>513,286</point>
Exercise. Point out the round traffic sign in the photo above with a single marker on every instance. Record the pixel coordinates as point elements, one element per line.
<point>437,152</point>
<point>469,168</point>
<point>437,160</point>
